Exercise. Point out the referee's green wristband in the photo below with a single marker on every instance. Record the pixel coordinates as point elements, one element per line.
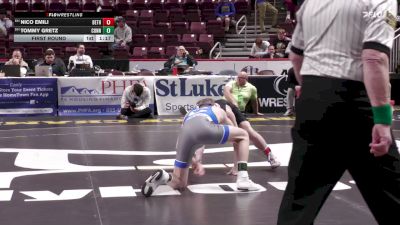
<point>382,114</point>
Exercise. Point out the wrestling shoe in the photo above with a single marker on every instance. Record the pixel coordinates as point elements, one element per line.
<point>273,161</point>
<point>245,184</point>
<point>156,179</point>
<point>289,112</point>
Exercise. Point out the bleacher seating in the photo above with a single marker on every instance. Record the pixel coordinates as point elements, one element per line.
<point>198,28</point>
<point>56,6</point>
<point>121,53</point>
<point>193,15</point>
<point>107,5</point>
<point>7,5</point>
<point>189,40</point>
<point>22,6</point>
<point>163,28</point>
<point>190,4</point>
<point>122,5</point>
<point>171,40</point>
<point>139,4</point>
<point>38,6</point>
<point>139,40</point>
<point>156,53</point>
<point>206,42</point>
<point>3,52</point>
<point>156,4</point>
<point>155,40</point>
<point>139,52</point>
<point>242,7</point>
<point>158,25</point>
<point>161,15</point>
<point>73,6</point>
<point>34,52</point>
<point>89,6</point>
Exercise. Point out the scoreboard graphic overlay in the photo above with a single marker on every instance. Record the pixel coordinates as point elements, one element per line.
<point>64,27</point>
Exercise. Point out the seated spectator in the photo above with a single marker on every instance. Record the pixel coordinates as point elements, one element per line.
<point>272,53</point>
<point>182,60</point>
<point>259,49</point>
<point>79,58</point>
<point>5,23</point>
<point>281,42</point>
<point>16,59</point>
<point>135,102</point>
<point>57,64</point>
<point>225,10</point>
<point>122,34</point>
<point>239,92</point>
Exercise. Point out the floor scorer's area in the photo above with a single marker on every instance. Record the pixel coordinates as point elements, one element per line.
<point>88,171</point>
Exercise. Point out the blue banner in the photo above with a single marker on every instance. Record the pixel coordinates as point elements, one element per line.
<point>28,96</point>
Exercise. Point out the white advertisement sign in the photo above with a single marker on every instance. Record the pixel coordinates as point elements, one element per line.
<point>95,95</point>
<point>173,92</point>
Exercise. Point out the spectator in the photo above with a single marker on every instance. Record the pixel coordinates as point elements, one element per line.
<point>135,102</point>
<point>259,48</point>
<point>16,59</point>
<point>272,53</point>
<point>291,8</point>
<point>79,58</point>
<point>122,34</point>
<point>226,10</point>
<point>281,42</point>
<point>239,92</point>
<point>262,7</point>
<point>5,23</point>
<point>57,64</point>
<point>182,59</point>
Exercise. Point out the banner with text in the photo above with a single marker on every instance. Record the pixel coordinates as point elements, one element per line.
<point>96,96</point>
<point>28,96</point>
<point>174,92</point>
<point>271,91</point>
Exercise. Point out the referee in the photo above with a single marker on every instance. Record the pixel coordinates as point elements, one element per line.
<point>340,53</point>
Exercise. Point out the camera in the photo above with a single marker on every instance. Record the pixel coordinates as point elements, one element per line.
<point>132,104</point>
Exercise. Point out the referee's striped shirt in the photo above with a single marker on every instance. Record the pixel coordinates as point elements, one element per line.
<point>332,34</point>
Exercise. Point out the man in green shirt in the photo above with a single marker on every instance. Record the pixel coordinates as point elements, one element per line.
<point>240,92</point>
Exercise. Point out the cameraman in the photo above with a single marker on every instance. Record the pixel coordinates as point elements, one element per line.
<point>135,102</point>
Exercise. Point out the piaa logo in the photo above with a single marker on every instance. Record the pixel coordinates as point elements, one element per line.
<point>280,85</point>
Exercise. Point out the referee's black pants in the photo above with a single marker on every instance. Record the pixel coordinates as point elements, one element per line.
<point>332,133</point>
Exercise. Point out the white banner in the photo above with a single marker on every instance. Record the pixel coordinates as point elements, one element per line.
<point>173,92</point>
<point>216,66</point>
<point>96,95</point>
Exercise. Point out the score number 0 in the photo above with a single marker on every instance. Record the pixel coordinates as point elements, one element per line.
<point>108,22</point>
